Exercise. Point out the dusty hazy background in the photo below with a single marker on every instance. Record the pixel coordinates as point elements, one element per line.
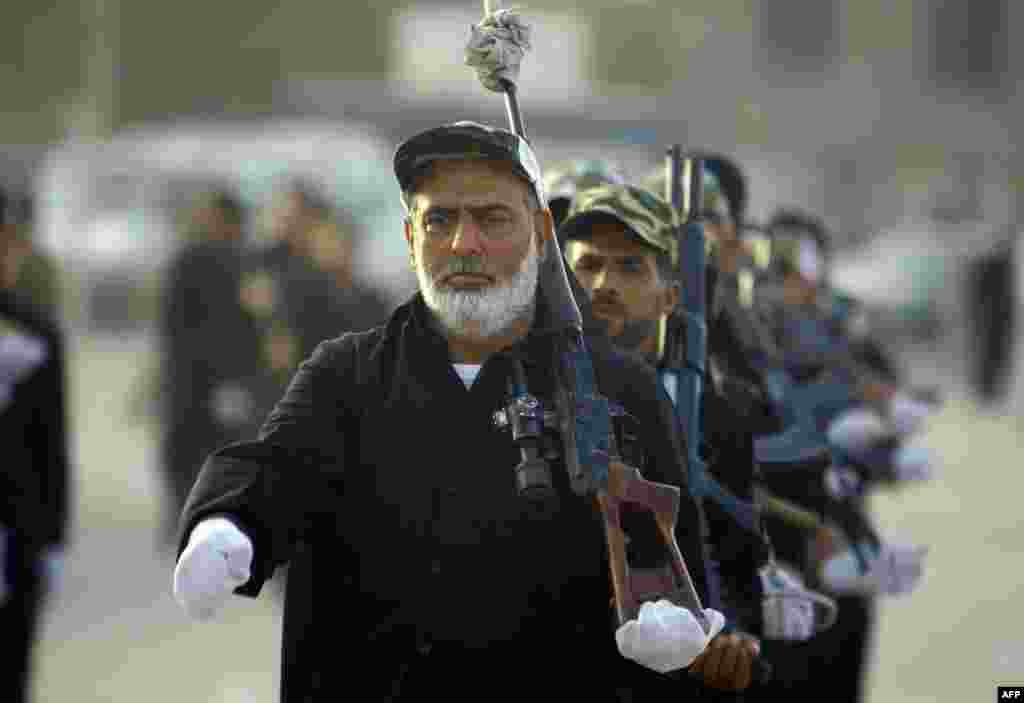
<point>897,120</point>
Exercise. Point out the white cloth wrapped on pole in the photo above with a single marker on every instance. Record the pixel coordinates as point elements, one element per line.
<point>665,637</point>
<point>496,47</point>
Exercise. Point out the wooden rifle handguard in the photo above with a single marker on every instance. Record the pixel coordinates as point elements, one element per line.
<point>634,586</point>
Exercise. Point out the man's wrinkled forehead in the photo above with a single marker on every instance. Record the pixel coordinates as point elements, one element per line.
<point>470,183</point>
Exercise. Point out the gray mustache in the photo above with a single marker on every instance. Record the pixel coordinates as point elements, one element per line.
<point>462,264</point>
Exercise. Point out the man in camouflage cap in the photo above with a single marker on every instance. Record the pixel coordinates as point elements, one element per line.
<point>736,251</point>
<point>563,181</point>
<point>620,244</point>
<point>724,209</point>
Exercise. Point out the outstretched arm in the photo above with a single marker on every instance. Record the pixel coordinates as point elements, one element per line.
<point>274,488</point>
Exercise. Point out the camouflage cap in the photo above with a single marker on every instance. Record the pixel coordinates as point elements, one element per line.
<point>566,179</point>
<point>562,182</point>
<point>642,212</point>
<point>714,200</point>
<point>725,185</point>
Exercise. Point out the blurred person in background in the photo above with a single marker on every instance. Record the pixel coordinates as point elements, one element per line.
<point>299,289</point>
<point>39,273</point>
<point>803,317</point>
<point>293,299</point>
<point>992,312</point>
<point>34,473</point>
<point>209,347</point>
<point>334,246</point>
<point>804,260</point>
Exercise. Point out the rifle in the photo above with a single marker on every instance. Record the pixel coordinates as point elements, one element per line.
<point>596,470</point>
<point>685,347</point>
<point>685,351</point>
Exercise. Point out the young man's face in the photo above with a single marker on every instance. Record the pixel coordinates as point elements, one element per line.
<point>800,284</point>
<point>290,216</point>
<point>216,225</point>
<point>13,251</point>
<point>474,244</point>
<point>621,275</point>
<point>720,229</point>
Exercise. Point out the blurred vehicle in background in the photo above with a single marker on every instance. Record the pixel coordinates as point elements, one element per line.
<point>900,276</point>
<point>913,278</point>
<point>920,285</point>
<point>109,211</point>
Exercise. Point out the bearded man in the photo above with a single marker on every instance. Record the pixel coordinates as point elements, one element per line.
<point>382,480</point>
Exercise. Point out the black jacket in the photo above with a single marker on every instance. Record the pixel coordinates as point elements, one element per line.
<point>727,447</point>
<point>384,483</point>
<point>33,422</point>
<point>729,453</point>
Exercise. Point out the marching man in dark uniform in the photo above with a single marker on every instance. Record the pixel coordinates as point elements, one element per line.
<point>619,244</point>
<point>293,302</point>
<point>383,480</point>
<point>209,342</point>
<point>35,468</point>
<point>734,333</point>
<point>803,319</point>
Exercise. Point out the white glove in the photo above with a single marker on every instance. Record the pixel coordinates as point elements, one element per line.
<point>856,430</point>
<point>665,637</point>
<point>907,414</point>
<point>914,463</point>
<point>788,607</point>
<point>52,562</point>
<point>842,482</point>
<point>895,570</point>
<point>216,561</point>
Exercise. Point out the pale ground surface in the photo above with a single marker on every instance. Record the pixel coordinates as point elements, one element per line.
<point>114,632</point>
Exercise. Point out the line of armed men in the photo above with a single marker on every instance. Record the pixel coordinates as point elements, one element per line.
<point>804,414</point>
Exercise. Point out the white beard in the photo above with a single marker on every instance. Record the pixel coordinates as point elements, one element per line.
<point>486,312</point>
